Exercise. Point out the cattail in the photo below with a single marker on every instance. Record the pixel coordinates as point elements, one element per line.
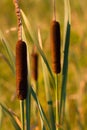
<point>55,46</point>
<point>34,58</point>
<point>21,70</point>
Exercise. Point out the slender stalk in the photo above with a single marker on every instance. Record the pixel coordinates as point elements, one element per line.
<point>28,106</point>
<point>36,87</point>
<point>57,100</point>
<point>35,110</point>
<point>22,112</point>
<point>58,125</point>
<point>28,99</point>
<point>54,9</point>
<point>42,125</point>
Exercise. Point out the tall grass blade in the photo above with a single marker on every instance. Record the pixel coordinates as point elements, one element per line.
<point>42,125</point>
<point>34,37</point>
<point>1,116</point>
<point>47,88</point>
<point>65,60</point>
<point>42,114</point>
<point>12,119</point>
<point>8,50</point>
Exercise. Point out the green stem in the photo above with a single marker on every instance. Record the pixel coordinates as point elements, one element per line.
<point>54,10</point>
<point>28,102</point>
<point>35,111</point>
<point>57,101</point>
<point>22,112</point>
<point>56,94</point>
<point>36,87</point>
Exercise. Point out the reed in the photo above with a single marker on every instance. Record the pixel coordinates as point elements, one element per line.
<point>21,65</point>
<point>24,89</point>
<point>55,41</point>
<point>34,75</point>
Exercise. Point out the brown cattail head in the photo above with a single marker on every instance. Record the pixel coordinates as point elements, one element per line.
<point>55,46</point>
<point>34,58</point>
<point>21,70</point>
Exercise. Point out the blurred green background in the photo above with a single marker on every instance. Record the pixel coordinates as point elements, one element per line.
<point>40,13</point>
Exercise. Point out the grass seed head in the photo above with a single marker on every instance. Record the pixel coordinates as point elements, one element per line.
<point>21,70</point>
<point>55,46</point>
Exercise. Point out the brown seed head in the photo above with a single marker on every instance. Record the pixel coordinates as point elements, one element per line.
<point>55,46</point>
<point>34,58</point>
<point>21,70</point>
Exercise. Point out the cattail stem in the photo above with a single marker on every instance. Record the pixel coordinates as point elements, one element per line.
<point>35,110</point>
<point>54,9</point>
<point>57,100</point>
<point>36,87</point>
<point>22,112</point>
<point>34,60</point>
<point>28,110</point>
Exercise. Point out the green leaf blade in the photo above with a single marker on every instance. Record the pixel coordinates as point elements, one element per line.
<point>42,114</point>
<point>12,119</point>
<point>9,51</point>
<point>67,29</point>
<point>33,35</point>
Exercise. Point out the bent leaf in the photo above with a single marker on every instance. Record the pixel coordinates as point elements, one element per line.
<point>36,42</point>
<point>42,114</point>
<point>12,119</point>
<point>9,51</point>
